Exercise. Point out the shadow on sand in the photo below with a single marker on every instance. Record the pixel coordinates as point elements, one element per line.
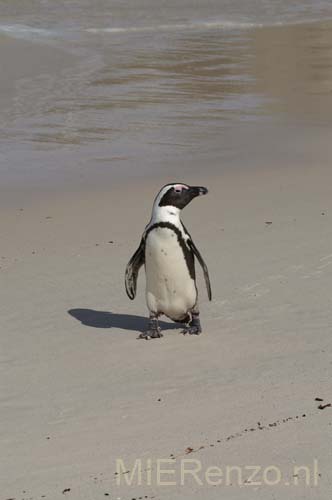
<point>106,319</point>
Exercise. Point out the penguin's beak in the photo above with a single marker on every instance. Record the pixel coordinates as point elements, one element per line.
<point>197,191</point>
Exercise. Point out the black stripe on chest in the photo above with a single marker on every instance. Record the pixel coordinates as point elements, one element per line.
<point>188,255</point>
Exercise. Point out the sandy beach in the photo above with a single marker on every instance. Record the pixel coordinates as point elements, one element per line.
<point>79,391</point>
<point>100,106</point>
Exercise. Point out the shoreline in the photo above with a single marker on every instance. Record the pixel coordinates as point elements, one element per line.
<point>108,118</point>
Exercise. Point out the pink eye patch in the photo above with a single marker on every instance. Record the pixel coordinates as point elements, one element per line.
<point>179,187</point>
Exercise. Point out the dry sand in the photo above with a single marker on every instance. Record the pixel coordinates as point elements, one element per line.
<point>78,390</point>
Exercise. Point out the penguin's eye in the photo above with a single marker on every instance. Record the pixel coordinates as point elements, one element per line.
<point>178,190</point>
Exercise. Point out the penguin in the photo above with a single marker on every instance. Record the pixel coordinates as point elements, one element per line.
<point>168,253</point>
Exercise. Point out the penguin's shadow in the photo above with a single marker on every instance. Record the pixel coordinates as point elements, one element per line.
<point>107,319</point>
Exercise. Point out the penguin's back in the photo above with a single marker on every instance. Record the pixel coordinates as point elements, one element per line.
<point>170,275</point>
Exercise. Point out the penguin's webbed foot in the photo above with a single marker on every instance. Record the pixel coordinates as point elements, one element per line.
<point>192,330</point>
<point>151,334</point>
<point>153,331</point>
<point>193,327</point>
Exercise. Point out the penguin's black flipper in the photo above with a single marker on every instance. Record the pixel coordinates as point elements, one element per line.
<point>202,263</point>
<point>132,269</point>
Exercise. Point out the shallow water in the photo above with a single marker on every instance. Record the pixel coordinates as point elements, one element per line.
<point>166,86</point>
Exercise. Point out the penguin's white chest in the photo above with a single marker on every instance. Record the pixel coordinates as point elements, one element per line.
<point>170,290</point>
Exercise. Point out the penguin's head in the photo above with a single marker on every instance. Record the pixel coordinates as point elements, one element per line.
<point>177,196</point>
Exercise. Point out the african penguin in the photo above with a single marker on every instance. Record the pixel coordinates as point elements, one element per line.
<point>168,253</point>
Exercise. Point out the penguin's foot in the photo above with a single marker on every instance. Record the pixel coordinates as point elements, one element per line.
<point>151,334</point>
<point>153,331</point>
<point>192,330</point>
<point>193,327</point>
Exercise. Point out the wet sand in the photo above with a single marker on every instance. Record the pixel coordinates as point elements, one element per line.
<point>79,390</point>
<point>23,61</point>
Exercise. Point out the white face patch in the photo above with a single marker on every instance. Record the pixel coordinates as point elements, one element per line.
<point>163,213</point>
